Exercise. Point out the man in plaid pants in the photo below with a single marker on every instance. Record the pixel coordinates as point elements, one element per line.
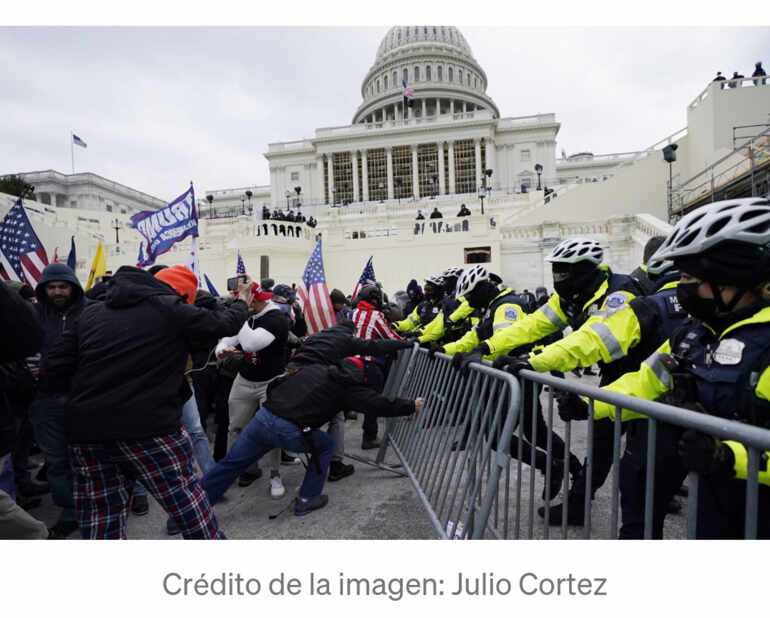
<point>123,364</point>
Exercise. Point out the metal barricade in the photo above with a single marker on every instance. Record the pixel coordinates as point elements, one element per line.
<point>660,417</point>
<point>449,450</point>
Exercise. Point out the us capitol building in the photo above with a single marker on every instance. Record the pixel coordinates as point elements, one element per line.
<point>365,183</point>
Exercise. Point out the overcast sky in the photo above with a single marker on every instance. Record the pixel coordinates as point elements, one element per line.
<point>162,106</point>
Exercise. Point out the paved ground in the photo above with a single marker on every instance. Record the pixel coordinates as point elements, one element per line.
<point>370,504</point>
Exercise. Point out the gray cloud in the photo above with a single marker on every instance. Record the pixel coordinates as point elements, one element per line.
<point>161,106</point>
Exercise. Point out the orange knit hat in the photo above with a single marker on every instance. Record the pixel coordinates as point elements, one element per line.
<point>182,279</point>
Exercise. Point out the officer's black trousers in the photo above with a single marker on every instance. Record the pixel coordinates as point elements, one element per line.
<point>722,509</point>
<point>669,474</point>
<point>602,458</point>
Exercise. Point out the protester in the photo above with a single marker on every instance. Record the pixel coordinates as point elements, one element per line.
<point>759,72</point>
<point>321,379</point>
<point>125,424</point>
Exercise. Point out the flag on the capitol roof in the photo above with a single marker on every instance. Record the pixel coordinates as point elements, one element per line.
<point>78,142</point>
<point>240,267</point>
<point>210,285</point>
<point>408,94</point>
<point>22,255</point>
<point>366,277</point>
<point>72,260</point>
<point>314,295</point>
<point>167,226</point>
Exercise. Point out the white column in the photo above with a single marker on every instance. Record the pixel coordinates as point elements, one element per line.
<point>364,176</point>
<point>354,161</point>
<point>441,183</point>
<point>451,154</point>
<point>320,176</point>
<point>424,107</point>
<point>465,106</point>
<point>415,170</point>
<point>451,106</point>
<point>477,148</point>
<point>438,107</point>
<point>491,164</point>
<point>389,153</point>
<point>330,177</point>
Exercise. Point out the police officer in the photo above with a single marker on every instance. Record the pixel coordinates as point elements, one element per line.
<point>501,308</point>
<point>425,312</point>
<point>585,294</point>
<point>640,328</point>
<point>718,363</point>
<point>456,317</point>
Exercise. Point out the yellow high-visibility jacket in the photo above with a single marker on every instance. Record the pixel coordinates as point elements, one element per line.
<point>501,313</point>
<point>653,380</point>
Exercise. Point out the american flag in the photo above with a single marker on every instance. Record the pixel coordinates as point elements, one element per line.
<point>314,295</point>
<point>78,142</point>
<point>366,277</point>
<point>240,269</point>
<point>408,94</point>
<point>22,256</point>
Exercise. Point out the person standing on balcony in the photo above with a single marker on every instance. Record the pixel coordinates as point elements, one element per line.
<point>733,80</point>
<point>759,72</point>
<point>720,78</point>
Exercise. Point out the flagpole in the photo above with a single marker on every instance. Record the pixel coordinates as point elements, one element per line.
<point>72,149</point>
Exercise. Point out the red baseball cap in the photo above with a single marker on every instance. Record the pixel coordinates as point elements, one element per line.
<point>259,293</point>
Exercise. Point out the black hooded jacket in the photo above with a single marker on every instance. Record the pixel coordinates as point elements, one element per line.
<point>55,322</point>
<point>320,383</point>
<point>124,359</point>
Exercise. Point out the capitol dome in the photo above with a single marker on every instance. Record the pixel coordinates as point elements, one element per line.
<point>437,63</point>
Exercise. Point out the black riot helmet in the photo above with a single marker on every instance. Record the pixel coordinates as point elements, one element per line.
<point>371,294</point>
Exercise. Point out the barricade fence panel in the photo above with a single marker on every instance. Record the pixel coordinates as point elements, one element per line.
<point>487,452</point>
<point>448,450</point>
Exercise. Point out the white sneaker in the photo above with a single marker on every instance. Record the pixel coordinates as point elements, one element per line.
<point>276,487</point>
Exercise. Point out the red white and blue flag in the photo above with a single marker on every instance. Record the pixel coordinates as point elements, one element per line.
<point>314,295</point>
<point>140,257</point>
<point>240,267</point>
<point>366,277</point>
<point>72,259</point>
<point>22,255</point>
<point>78,142</point>
<point>408,94</point>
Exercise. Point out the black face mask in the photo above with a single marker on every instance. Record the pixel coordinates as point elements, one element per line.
<point>704,309</point>
<point>575,285</point>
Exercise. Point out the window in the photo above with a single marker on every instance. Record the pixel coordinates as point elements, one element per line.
<point>475,83</point>
<point>395,79</point>
<point>526,181</point>
<point>406,75</point>
<point>440,73</point>
<point>385,83</point>
<point>460,76</point>
<point>450,74</point>
<point>525,155</point>
<point>295,176</point>
<point>468,76</point>
<point>417,74</point>
<point>108,206</point>
<point>425,30</point>
<point>378,85</point>
<point>427,73</point>
<point>478,255</point>
<point>399,36</point>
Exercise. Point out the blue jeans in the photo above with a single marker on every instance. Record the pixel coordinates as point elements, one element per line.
<point>191,421</point>
<point>49,417</point>
<point>265,432</point>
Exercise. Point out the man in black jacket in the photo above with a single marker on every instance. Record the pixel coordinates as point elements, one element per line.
<point>320,380</point>
<point>123,363</point>
<point>60,300</point>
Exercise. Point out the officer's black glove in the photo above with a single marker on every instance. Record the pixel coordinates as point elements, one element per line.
<point>474,356</point>
<point>433,347</point>
<point>518,363</point>
<point>571,407</point>
<point>501,362</point>
<point>705,454</point>
<point>412,339</point>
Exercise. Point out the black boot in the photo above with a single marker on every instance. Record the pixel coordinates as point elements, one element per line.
<point>575,516</point>
<point>339,470</point>
<point>557,476</point>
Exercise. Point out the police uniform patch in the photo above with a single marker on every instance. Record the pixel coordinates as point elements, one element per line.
<point>615,301</point>
<point>510,314</point>
<point>729,352</point>
<point>672,302</point>
<point>435,309</point>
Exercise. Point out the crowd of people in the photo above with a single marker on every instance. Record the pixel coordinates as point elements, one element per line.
<point>117,385</point>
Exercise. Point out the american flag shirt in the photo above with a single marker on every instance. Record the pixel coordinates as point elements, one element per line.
<point>371,324</point>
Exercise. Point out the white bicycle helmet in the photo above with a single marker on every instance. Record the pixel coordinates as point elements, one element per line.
<point>744,220</point>
<point>436,280</point>
<point>452,271</point>
<point>574,250</point>
<point>658,267</point>
<point>470,279</point>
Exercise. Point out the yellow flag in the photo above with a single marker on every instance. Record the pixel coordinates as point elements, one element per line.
<point>98,268</point>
